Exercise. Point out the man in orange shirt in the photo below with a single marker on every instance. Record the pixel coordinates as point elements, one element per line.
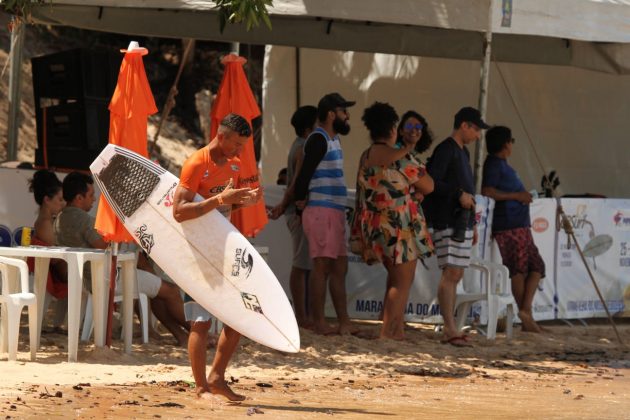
<point>213,172</point>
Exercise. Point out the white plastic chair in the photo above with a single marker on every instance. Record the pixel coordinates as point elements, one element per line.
<point>12,305</point>
<point>496,290</point>
<point>88,325</point>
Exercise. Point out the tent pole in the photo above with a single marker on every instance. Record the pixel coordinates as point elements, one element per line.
<point>15,83</point>
<point>483,97</point>
<point>298,99</point>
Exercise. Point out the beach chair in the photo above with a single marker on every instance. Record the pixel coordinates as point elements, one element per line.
<point>88,325</point>
<point>496,290</point>
<point>12,305</point>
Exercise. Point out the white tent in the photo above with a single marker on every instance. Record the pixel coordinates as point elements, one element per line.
<point>546,53</point>
<point>532,31</point>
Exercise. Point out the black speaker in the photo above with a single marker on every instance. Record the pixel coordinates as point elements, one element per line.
<point>72,92</point>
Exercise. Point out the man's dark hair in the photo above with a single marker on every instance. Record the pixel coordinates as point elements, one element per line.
<point>427,135</point>
<point>379,118</point>
<point>496,138</point>
<point>304,119</point>
<point>75,183</point>
<point>237,124</point>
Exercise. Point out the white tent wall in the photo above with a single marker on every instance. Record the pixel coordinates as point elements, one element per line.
<point>577,119</point>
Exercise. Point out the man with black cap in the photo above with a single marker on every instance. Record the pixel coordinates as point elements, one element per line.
<point>450,211</point>
<point>321,181</point>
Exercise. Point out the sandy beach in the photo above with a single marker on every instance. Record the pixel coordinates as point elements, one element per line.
<point>568,372</point>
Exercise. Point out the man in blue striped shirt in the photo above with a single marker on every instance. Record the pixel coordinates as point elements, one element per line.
<point>321,179</point>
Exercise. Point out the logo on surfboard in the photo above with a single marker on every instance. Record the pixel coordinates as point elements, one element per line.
<point>167,198</point>
<point>243,260</point>
<point>251,302</point>
<point>144,239</point>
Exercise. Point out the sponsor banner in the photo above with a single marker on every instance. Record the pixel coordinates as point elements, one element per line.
<point>543,219</point>
<point>577,296</point>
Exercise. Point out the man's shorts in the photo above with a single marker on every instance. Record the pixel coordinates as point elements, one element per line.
<point>325,229</point>
<point>195,312</point>
<point>519,253</point>
<point>451,253</point>
<point>301,257</point>
<point>148,283</point>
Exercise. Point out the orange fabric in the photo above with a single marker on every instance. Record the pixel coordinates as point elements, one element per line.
<point>129,108</point>
<point>55,285</point>
<point>201,175</point>
<point>235,96</point>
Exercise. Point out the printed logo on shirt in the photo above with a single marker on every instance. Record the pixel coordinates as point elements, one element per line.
<point>235,168</point>
<point>243,260</point>
<point>145,240</point>
<point>216,190</point>
<point>205,174</point>
<point>540,224</point>
<point>250,180</point>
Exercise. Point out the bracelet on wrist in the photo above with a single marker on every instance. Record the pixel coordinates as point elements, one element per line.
<point>219,199</point>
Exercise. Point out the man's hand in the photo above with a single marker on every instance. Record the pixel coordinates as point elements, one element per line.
<point>475,236</point>
<point>524,197</point>
<point>276,212</point>
<point>467,201</point>
<point>237,196</point>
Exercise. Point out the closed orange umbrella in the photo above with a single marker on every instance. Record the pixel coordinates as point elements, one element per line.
<point>129,108</point>
<point>235,96</point>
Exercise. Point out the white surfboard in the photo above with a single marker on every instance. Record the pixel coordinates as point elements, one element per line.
<point>207,256</point>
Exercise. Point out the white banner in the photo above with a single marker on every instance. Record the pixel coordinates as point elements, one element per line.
<point>543,218</point>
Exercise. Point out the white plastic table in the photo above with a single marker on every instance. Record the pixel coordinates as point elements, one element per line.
<point>76,258</point>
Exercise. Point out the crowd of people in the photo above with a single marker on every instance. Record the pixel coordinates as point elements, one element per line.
<point>405,210</point>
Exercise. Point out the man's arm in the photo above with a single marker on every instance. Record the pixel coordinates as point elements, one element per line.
<point>314,151</point>
<point>439,166</point>
<point>185,208</point>
<point>497,195</point>
<point>289,193</point>
<point>490,181</point>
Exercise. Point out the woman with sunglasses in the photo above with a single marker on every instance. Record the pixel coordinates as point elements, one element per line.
<point>388,216</point>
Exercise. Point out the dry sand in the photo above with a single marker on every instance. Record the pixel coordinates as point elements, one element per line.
<point>568,372</point>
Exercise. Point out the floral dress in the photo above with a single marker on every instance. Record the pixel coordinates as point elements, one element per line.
<point>391,222</point>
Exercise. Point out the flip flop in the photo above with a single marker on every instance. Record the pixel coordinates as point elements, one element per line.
<point>457,341</point>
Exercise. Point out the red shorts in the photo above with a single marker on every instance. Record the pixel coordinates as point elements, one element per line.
<point>325,229</point>
<point>519,253</point>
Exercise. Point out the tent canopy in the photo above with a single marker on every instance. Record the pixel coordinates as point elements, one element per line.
<point>584,33</point>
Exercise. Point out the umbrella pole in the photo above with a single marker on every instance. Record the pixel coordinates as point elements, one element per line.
<point>112,291</point>
<point>568,228</point>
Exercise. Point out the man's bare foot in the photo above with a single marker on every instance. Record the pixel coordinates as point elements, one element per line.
<point>218,386</point>
<point>529,325</point>
<point>305,323</point>
<point>323,329</point>
<point>347,328</point>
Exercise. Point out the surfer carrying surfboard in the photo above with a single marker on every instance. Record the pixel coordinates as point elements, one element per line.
<point>213,172</point>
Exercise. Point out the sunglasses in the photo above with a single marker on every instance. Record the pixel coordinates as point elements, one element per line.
<point>410,126</point>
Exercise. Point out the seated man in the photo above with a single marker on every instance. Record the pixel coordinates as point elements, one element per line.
<point>74,227</point>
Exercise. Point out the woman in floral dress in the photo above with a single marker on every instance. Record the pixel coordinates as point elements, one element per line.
<point>391,225</point>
